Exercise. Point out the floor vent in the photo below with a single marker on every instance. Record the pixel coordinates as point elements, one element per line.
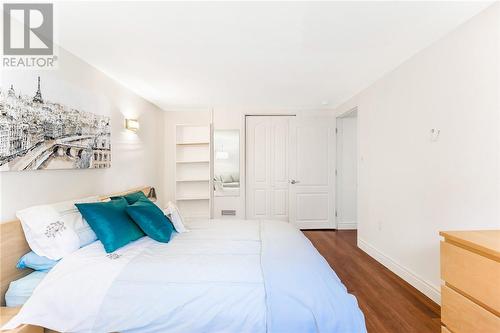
<point>228,212</point>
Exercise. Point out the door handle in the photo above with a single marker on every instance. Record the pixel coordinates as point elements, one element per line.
<point>293,181</point>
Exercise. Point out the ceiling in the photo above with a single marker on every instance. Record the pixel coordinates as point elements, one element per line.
<point>309,55</point>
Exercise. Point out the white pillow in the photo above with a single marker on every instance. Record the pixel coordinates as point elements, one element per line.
<point>53,230</point>
<point>172,212</point>
<point>72,216</point>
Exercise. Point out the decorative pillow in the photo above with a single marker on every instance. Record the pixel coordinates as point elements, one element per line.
<point>47,234</point>
<point>151,220</point>
<point>55,230</point>
<point>72,217</point>
<point>132,197</point>
<point>172,212</point>
<point>36,262</point>
<point>109,220</point>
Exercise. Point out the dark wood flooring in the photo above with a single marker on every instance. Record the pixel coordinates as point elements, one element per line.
<point>388,303</point>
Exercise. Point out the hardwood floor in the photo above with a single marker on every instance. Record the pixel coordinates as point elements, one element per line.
<point>388,302</point>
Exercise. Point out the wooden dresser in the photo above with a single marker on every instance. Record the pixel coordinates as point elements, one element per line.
<point>470,269</point>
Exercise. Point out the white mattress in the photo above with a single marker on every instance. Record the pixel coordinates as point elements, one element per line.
<point>223,276</point>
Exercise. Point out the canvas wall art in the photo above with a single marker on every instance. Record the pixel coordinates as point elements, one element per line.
<point>37,134</point>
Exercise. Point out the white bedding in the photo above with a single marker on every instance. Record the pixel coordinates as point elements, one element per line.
<point>223,276</point>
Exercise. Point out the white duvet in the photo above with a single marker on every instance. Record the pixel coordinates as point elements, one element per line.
<point>223,276</point>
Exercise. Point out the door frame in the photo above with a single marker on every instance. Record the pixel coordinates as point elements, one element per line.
<point>338,170</point>
<point>243,175</point>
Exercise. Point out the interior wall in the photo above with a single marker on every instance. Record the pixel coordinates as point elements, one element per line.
<point>410,186</point>
<point>234,118</point>
<point>347,172</point>
<point>222,118</point>
<point>135,156</point>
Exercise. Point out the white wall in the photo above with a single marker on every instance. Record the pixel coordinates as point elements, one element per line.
<point>410,188</point>
<point>136,158</point>
<point>234,118</point>
<point>223,118</point>
<point>347,172</point>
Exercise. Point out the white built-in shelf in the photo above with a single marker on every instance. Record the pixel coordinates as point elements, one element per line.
<point>202,197</point>
<point>193,169</point>
<point>194,161</point>
<point>194,143</point>
<point>193,180</point>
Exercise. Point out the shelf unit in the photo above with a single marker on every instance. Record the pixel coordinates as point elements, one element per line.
<point>193,180</point>
<point>194,161</point>
<point>193,143</point>
<point>193,170</point>
<point>192,198</point>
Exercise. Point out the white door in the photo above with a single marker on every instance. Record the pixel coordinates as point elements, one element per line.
<point>267,167</point>
<point>312,172</point>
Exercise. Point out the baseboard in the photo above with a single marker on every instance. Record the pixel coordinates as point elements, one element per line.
<point>420,284</point>
<point>347,225</point>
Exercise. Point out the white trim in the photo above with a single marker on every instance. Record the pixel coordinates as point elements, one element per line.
<point>347,225</point>
<point>339,138</point>
<point>420,284</point>
<point>347,112</point>
<point>305,225</point>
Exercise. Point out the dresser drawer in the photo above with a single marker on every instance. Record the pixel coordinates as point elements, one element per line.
<point>460,315</point>
<point>472,274</point>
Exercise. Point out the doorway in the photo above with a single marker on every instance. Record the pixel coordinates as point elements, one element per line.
<point>347,170</point>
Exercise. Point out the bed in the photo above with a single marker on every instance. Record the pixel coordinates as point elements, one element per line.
<point>222,276</point>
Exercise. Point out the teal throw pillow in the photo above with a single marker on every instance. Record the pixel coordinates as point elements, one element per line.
<point>132,197</point>
<point>111,223</point>
<point>151,220</point>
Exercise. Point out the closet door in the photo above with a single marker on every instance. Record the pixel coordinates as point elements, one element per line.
<point>312,172</point>
<point>267,167</point>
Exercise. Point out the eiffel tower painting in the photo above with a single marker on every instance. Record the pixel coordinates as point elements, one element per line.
<point>37,133</point>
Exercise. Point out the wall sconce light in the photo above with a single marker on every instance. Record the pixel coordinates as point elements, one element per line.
<point>132,124</point>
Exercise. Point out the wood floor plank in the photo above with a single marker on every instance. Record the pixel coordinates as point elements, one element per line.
<point>390,304</point>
